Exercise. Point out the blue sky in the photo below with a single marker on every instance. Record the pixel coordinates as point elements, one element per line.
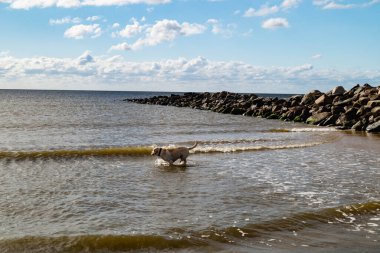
<point>279,46</point>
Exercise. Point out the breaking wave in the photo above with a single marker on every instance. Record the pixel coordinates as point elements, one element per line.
<point>232,149</point>
<point>303,129</point>
<point>121,151</point>
<point>189,239</point>
<point>141,151</point>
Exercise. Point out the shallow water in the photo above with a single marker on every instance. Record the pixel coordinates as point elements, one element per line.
<point>76,176</point>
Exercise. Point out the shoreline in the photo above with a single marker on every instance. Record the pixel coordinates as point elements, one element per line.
<point>357,109</point>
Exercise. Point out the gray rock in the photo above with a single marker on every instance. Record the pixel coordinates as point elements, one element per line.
<point>318,118</point>
<point>238,111</point>
<point>344,102</point>
<point>358,126</point>
<point>323,100</point>
<point>376,111</point>
<point>373,103</point>
<point>339,90</point>
<point>310,97</point>
<point>330,121</point>
<point>375,127</point>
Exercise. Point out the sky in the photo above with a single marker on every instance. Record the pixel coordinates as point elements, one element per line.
<point>269,46</point>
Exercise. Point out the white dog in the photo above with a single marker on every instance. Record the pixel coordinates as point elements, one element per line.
<point>171,155</point>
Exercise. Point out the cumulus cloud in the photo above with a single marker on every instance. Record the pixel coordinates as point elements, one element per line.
<point>81,31</point>
<point>115,25</point>
<point>290,3</point>
<point>65,20</point>
<point>162,31</point>
<point>28,4</point>
<point>85,58</point>
<point>316,56</point>
<point>218,28</point>
<point>274,23</point>
<point>121,47</point>
<point>263,11</point>
<point>132,29</point>
<point>266,10</point>
<point>101,72</point>
<point>93,18</point>
<point>334,5</point>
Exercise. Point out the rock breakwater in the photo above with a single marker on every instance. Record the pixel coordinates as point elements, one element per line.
<point>357,108</point>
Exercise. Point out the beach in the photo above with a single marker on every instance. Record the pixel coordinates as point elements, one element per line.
<point>77,176</point>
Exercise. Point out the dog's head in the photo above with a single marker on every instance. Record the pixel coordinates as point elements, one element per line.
<point>155,151</point>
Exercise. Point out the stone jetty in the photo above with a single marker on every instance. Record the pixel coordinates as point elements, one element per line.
<point>357,108</point>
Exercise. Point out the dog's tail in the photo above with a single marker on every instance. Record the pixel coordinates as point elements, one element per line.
<point>196,143</point>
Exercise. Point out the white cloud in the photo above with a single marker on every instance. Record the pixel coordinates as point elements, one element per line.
<point>121,47</point>
<point>162,31</point>
<point>274,23</point>
<point>196,74</point>
<point>132,29</point>
<point>266,10</point>
<point>320,2</point>
<point>115,25</point>
<point>263,11</point>
<point>93,18</point>
<point>218,28</point>
<point>81,31</point>
<point>341,4</point>
<point>28,4</point>
<point>290,3</point>
<point>85,58</point>
<point>333,5</point>
<point>65,20</point>
<point>316,56</point>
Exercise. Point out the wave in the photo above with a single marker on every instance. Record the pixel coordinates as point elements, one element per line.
<point>299,221</point>
<point>232,141</point>
<point>138,151</point>
<point>118,151</point>
<point>94,243</point>
<point>188,239</point>
<point>212,147</point>
<point>233,149</point>
<point>303,129</point>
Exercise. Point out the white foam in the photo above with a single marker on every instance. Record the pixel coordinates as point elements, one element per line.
<point>231,149</point>
<point>314,129</point>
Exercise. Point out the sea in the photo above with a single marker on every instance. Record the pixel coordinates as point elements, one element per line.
<point>77,175</point>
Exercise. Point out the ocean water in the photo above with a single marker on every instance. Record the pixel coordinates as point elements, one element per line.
<point>76,175</point>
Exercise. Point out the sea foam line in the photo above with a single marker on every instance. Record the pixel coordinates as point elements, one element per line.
<point>253,148</point>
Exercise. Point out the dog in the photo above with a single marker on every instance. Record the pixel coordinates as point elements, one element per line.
<point>171,155</point>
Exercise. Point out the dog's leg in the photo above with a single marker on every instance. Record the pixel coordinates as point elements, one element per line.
<point>183,161</point>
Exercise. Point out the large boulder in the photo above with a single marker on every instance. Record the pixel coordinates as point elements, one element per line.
<point>348,101</point>
<point>238,111</point>
<point>375,127</point>
<point>363,100</point>
<point>339,90</point>
<point>310,97</point>
<point>323,100</point>
<point>376,111</point>
<point>373,103</point>
<point>346,121</point>
<point>359,126</point>
<point>317,118</point>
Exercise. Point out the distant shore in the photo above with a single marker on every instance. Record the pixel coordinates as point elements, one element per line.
<point>357,108</point>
